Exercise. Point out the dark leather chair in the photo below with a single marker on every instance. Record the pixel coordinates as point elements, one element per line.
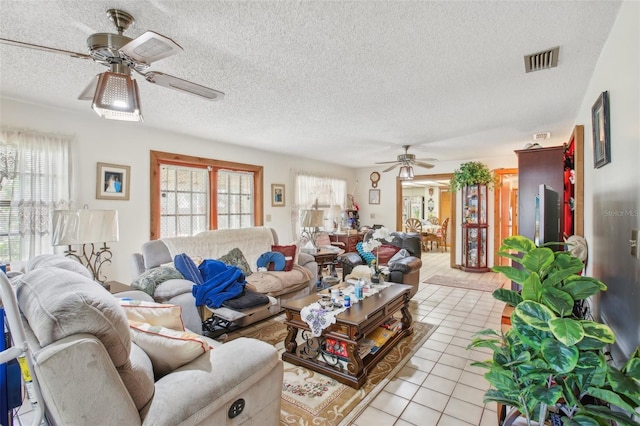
<point>403,271</point>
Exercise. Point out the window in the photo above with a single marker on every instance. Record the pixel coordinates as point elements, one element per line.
<point>35,172</point>
<point>318,192</point>
<point>183,202</point>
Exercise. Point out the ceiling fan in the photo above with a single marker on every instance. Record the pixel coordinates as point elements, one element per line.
<point>406,161</point>
<point>114,93</point>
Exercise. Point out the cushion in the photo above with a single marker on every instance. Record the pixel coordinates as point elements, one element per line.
<point>367,256</point>
<point>187,267</point>
<point>248,299</point>
<point>272,260</point>
<point>386,252</point>
<point>138,378</point>
<point>55,260</point>
<point>59,303</point>
<point>401,254</point>
<point>168,349</point>
<point>170,288</point>
<point>264,282</point>
<point>165,315</point>
<point>236,258</point>
<point>289,253</point>
<point>148,280</point>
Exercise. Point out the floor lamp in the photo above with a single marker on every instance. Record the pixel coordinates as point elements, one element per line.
<point>88,228</point>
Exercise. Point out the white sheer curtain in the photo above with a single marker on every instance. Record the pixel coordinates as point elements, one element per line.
<point>309,191</point>
<point>36,179</point>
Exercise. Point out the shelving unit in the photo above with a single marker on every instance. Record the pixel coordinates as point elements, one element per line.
<point>474,229</point>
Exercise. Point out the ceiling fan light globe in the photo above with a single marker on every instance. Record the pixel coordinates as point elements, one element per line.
<point>117,97</point>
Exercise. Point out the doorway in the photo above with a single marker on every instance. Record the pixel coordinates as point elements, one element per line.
<point>505,220</point>
<point>440,181</point>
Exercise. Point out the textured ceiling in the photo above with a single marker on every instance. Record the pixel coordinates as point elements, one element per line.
<point>348,82</point>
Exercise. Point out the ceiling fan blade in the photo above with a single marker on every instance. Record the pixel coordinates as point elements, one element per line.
<point>89,92</point>
<point>44,48</point>
<point>176,83</point>
<point>150,47</point>
<point>426,159</point>
<point>387,162</point>
<point>425,165</point>
<point>388,169</point>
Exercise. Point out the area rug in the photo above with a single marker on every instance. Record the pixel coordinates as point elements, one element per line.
<point>481,285</point>
<point>310,398</point>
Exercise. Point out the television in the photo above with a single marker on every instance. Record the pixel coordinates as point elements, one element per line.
<point>547,216</point>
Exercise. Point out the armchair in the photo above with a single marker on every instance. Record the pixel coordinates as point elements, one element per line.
<point>403,271</point>
<point>89,371</point>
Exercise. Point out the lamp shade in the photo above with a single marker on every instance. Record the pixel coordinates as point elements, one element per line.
<point>406,173</point>
<point>117,97</point>
<point>335,211</point>
<point>312,218</point>
<point>72,227</point>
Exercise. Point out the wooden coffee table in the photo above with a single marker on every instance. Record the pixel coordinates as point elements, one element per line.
<point>351,327</point>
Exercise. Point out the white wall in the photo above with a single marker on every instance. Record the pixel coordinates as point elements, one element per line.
<point>99,140</point>
<point>612,192</point>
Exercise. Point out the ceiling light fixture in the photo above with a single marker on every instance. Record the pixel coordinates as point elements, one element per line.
<point>117,97</point>
<point>406,172</point>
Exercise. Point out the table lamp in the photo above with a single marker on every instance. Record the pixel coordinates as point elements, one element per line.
<point>311,221</point>
<point>88,228</point>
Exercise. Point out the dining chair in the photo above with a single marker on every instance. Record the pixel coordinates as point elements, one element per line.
<point>413,225</point>
<point>442,238</point>
<point>433,220</point>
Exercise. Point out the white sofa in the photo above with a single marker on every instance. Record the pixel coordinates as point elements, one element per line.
<point>253,242</point>
<point>90,372</point>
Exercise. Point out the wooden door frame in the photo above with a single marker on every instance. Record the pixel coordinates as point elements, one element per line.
<point>497,191</point>
<point>452,222</point>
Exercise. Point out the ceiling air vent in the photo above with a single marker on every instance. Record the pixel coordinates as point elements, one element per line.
<point>542,60</point>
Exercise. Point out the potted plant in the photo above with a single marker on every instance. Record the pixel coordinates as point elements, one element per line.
<point>471,173</point>
<point>550,364</point>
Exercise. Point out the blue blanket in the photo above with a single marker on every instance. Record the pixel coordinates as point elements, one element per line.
<point>221,282</point>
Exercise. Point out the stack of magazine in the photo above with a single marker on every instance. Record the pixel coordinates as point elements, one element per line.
<point>378,337</point>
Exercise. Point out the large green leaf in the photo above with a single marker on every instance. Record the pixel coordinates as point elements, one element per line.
<point>523,357</point>
<point>566,262</point>
<point>598,331</point>
<point>548,395</point>
<point>579,420</point>
<point>535,314</point>
<point>561,358</point>
<point>608,414</point>
<point>507,296</point>
<point>538,259</point>
<point>498,396</point>
<point>573,278</point>
<point>632,368</point>
<point>611,397</point>
<point>501,379</point>
<point>514,257</point>
<point>517,243</point>
<point>623,384</point>
<point>530,336</point>
<point>559,301</point>
<point>514,274</point>
<point>531,288</point>
<point>581,289</point>
<point>566,330</point>
<point>589,344</point>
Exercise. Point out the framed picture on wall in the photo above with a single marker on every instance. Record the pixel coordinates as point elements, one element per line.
<point>277,195</point>
<point>600,127</point>
<point>112,182</point>
<point>374,196</point>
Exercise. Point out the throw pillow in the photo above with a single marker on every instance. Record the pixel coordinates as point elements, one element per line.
<point>272,260</point>
<point>168,349</point>
<point>367,256</point>
<point>236,258</point>
<point>401,254</point>
<point>386,252</point>
<point>289,253</point>
<point>148,280</point>
<point>165,315</point>
<point>186,266</point>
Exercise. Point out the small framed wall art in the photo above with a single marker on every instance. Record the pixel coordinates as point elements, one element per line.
<point>277,195</point>
<point>374,196</point>
<point>112,182</point>
<point>600,126</point>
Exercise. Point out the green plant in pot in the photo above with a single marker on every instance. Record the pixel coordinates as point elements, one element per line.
<point>471,173</point>
<point>550,364</point>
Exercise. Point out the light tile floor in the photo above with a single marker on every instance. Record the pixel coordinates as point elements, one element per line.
<point>438,386</point>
